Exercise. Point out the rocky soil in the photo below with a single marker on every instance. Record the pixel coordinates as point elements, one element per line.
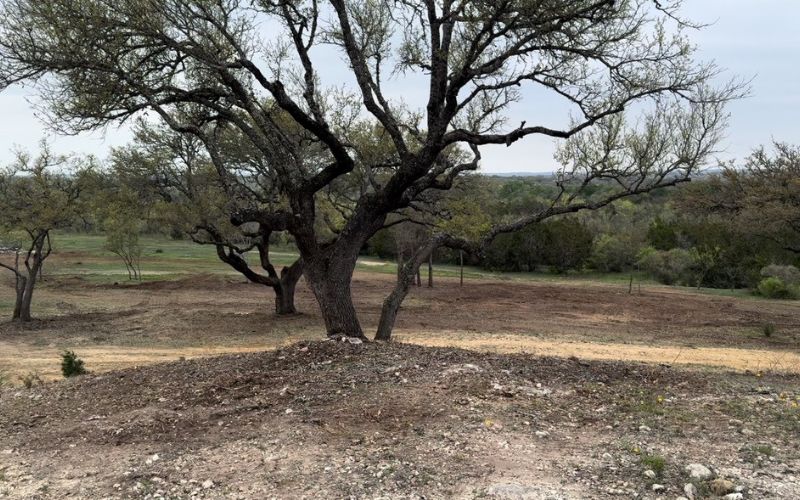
<point>335,420</point>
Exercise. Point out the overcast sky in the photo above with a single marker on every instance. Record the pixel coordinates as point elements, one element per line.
<point>750,38</point>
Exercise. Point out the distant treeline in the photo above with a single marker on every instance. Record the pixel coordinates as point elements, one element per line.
<point>678,236</point>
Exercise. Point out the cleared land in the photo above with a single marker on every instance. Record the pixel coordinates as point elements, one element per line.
<point>326,420</point>
<point>117,324</point>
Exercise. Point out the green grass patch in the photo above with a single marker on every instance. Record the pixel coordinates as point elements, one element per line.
<point>165,258</point>
<point>655,463</point>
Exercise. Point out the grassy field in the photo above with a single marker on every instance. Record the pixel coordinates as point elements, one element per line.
<point>164,258</point>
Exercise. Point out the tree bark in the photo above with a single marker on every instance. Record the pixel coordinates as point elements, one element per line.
<point>329,278</point>
<point>26,300</point>
<point>285,289</point>
<point>430,271</point>
<point>391,305</point>
<point>284,301</point>
<point>461,266</point>
<point>20,289</point>
<point>336,305</point>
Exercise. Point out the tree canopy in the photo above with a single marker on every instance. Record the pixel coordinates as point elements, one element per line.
<point>645,113</point>
<point>37,195</point>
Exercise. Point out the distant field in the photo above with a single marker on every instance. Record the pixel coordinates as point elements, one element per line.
<point>164,258</point>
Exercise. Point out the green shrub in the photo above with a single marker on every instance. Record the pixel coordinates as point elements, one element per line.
<point>662,235</point>
<point>71,364</point>
<point>382,245</point>
<point>613,254</point>
<point>790,275</point>
<point>656,463</point>
<point>671,267</point>
<point>775,288</point>
<point>769,329</point>
<point>560,245</point>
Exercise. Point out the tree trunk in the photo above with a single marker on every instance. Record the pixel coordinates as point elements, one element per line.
<point>329,278</point>
<point>284,300</point>
<point>391,305</point>
<point>20,289</point>
<point>461,265</point>
<point>284,291</point>
<point>430,271</point>
<point>26,280</point>
<point>25,305</point>
<point>27,297</point>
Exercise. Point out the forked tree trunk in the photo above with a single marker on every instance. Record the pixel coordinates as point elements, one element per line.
<point>27,299</point>
<point>284,285</point>
<point>26,280</point>
<point>285,289</point>
<point>24,299</point>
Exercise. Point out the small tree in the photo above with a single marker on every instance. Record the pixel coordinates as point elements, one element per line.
<point>196,198</point>
<point>120,207</point>
<point>36,196</point>
<point>71,364</point>
<point>122,239</point>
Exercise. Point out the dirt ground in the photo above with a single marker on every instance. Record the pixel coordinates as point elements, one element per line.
<point>333,420</point>
<point>282,417</point>
<point>114,326</point>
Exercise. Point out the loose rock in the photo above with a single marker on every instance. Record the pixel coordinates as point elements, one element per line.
<point>699,472</point>
<point>733,496</point>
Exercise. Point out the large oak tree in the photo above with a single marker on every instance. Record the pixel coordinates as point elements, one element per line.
<point>205,66</point>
